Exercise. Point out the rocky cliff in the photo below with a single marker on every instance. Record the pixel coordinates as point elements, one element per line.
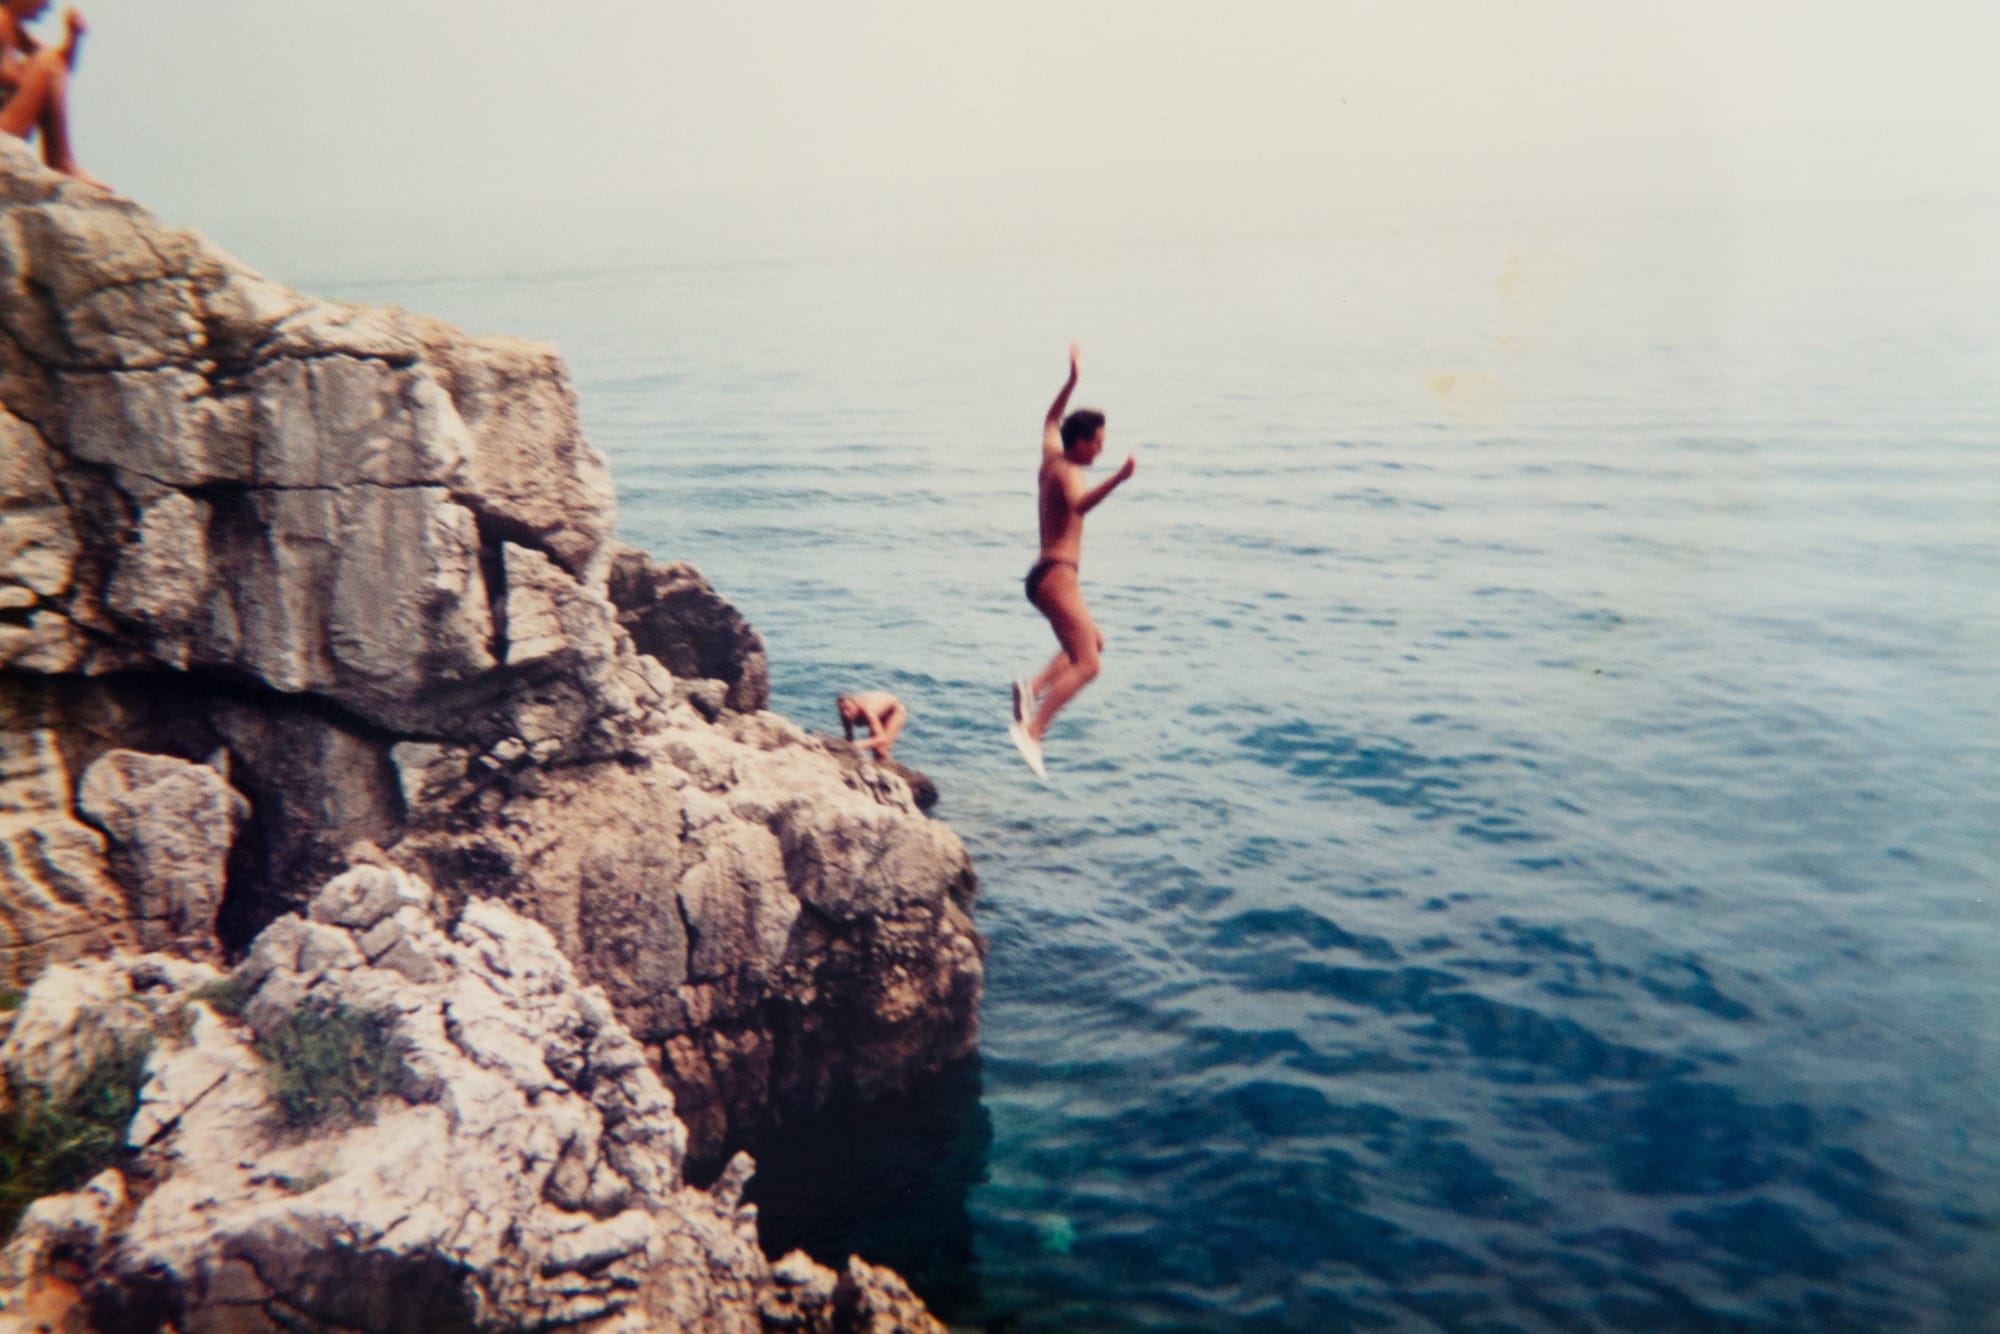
<point>518,1165</point>
<point>281,577</point>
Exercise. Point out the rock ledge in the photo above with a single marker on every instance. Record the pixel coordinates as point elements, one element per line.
<point>527,1174</point>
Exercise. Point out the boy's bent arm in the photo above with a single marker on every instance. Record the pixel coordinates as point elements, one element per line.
<point>881,736</point>
<point>1090,499</point>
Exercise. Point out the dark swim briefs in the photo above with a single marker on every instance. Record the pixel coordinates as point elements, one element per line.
<point>1040,571</point>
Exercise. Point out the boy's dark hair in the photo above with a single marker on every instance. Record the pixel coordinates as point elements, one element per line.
<point>1080,425</point>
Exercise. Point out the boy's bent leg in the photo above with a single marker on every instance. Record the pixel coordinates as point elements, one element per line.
<point>1062,602</point>
<point>1039,682</point>
<point>1066,686</point>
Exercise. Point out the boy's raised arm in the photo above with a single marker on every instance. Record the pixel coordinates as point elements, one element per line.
<point>1052,424</point>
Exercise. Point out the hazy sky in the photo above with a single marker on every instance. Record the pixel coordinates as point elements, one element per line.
<point>210,111</point>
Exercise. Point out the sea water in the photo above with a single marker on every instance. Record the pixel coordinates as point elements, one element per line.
<point>1529,861</point>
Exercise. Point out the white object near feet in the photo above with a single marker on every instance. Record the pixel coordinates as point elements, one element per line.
<point>1031,749</point>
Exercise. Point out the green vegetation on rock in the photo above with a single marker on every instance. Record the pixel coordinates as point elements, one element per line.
<point>328,1067</point>
<point>56,1140</point>
<point>227,995</point>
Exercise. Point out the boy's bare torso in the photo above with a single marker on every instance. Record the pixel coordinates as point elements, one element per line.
<point>1062,525</point>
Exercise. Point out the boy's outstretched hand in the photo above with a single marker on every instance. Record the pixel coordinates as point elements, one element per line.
<point>1128,467</point>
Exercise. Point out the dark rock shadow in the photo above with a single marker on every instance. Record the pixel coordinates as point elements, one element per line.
<point>887,1180</point>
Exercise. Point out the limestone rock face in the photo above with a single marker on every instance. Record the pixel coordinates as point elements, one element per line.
<point>780,926</point>
<point>261,484</point>
<point>59,900</point>
<point>673,615</point>
<point>527,1173</point>
<point>77,1013</point>
<point>130,855</point>
<point>281,576</point>
<point>170,825</point>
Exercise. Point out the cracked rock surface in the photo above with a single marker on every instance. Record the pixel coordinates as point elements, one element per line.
<point>527,1173</point>
<point>280,576</point>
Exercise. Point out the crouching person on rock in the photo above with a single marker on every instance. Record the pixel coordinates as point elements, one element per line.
<point>883,714</point>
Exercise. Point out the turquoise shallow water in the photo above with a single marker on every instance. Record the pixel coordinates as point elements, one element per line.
<point>1529,862</point>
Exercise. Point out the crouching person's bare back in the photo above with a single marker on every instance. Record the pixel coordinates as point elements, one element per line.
<point>1069,445</point>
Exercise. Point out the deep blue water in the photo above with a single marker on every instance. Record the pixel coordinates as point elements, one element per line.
<point>1529,861</point>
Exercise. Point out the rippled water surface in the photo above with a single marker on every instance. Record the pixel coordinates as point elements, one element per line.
<point>1529,861</point>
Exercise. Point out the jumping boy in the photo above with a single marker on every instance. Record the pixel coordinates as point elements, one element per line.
<point>1069,445</point>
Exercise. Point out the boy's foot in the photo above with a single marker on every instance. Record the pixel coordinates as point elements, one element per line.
<point>1031,749</point>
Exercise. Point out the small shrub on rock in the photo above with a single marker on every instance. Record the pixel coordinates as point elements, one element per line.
<point>227,995</point>
<point>304,1185</point>
<point>328,1067</point>
<point>53,1141</point>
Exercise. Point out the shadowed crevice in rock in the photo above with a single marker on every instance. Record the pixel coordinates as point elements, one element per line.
<point>102,518</point>
<point>317,782</point>
<point>400,1295</point>
<point>493,571</point>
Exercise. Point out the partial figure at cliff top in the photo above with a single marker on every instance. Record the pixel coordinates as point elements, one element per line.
<point>34,83</point>
<point>882,713</point>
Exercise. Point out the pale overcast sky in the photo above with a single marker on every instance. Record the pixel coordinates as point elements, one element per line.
<point>212,110</point>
